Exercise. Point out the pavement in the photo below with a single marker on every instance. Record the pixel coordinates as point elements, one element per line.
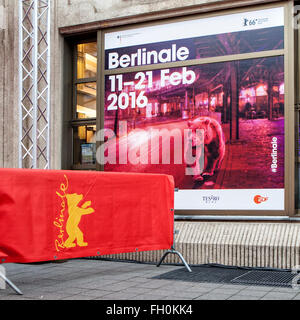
<point>87,279</point>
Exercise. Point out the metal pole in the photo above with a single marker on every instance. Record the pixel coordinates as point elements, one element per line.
<point>48,83</point>
<point>35,83</point>
<point>18,291</point>
<point>20,82</point>
<point>173,251</point>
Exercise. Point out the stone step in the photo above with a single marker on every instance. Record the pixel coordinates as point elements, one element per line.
<point>267,245</point>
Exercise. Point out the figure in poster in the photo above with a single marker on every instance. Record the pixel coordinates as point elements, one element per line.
<point>214,146</point>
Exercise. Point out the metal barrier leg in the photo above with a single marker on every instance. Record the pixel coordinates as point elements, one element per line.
<point>18,291</point>
<point>173,251</point>
<point>183,260</point>
<point>163,258</point>
<point>179,255</point>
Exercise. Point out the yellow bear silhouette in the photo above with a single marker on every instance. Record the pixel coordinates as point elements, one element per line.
<point>75,213</point>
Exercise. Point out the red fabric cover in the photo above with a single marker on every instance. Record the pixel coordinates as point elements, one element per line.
<point>51,214</point>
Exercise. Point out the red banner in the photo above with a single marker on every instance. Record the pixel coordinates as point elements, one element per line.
<point>51,214</point>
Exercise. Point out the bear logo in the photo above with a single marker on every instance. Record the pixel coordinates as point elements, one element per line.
<point>214,146</point>
<point>75,214</point>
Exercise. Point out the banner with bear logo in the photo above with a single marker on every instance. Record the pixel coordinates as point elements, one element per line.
<point>217,127</point>
<point>48,214</point>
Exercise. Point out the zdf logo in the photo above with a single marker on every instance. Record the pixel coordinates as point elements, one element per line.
<point>259,199</point>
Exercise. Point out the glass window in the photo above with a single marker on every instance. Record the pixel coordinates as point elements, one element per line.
<point>86,60</point>
<point>86,100</point>
<point>84,106</point>
<point>84,145</point>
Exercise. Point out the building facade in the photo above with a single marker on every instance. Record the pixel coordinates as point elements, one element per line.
<point>135,85</point>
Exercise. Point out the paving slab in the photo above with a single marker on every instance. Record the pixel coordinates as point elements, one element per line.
<point>85,279</point>
<point>252,293</point>
<point>242,297</point>
<point>279,296</point>
<point>216,296</point>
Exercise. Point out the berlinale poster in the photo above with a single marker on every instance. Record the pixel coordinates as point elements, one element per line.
<point>236,106</point>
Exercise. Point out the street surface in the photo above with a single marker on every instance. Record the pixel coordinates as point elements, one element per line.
<point>82,279</point>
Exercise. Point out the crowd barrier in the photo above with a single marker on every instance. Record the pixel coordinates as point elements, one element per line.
<point>48,215</point>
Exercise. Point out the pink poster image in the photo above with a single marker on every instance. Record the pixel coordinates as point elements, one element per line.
<point>212,126</point>
<point>241,140</point>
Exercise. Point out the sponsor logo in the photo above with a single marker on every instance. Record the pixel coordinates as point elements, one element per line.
<point>210,199</point>
<point>259,199</point>
<point>69,218</point>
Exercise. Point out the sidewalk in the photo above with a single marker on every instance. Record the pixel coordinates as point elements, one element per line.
<point>83,279</point>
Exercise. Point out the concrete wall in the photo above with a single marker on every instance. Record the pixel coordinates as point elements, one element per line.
<point>56,89</point>
<point>9,85</point>
<point>263,245</point>
<point>77,11</point>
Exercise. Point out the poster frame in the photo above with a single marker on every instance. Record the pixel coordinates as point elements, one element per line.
<point>289,106</point>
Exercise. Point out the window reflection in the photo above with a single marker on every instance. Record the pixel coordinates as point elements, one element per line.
<point>86,100</point>
<point>84,145</point>
<point>86,60</point>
